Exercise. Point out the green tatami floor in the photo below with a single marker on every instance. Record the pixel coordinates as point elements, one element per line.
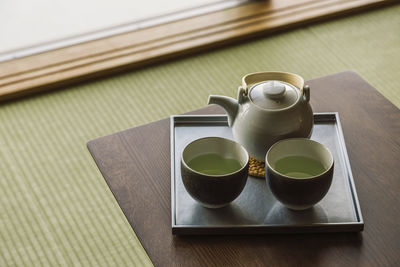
<point>55,207</point>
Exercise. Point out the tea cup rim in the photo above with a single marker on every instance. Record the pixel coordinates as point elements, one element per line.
<point>294,178</point>
<point>220,175</point>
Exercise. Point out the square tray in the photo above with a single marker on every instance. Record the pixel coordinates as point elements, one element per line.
<point>256,210</point>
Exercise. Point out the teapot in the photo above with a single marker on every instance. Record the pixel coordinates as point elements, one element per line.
<point>270,106</point>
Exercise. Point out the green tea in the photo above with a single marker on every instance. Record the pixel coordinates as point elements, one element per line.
<point>299,166</point>
<point>214,164</point>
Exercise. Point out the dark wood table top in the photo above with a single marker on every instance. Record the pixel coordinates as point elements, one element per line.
<point>136,165</point>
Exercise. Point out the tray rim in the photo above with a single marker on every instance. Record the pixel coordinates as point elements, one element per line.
<point>221,119</point>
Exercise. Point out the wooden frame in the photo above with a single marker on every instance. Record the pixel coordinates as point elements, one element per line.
<point>83,61</point>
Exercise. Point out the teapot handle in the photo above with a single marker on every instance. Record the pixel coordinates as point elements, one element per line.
<point>242,95</point>
<point>257,77</point>
<point>306,93</point>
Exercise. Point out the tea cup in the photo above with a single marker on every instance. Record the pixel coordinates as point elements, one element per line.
<point>214,170</point>
<point>299,172</point>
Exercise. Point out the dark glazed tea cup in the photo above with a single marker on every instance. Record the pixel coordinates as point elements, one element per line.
<point>214,170</point>
<point>299,172</point>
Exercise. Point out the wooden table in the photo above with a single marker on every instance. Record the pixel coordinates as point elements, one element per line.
<point>136,166</point>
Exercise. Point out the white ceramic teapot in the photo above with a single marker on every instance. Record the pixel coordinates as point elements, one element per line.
<point>271,106</point>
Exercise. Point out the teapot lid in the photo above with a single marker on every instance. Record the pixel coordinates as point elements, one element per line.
<point>273,94</point>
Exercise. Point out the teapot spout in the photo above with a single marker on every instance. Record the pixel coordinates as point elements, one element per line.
<point>230,105</point>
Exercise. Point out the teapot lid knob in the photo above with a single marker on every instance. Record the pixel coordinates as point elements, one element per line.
<point>274,89</point>
<point>273,94</point>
